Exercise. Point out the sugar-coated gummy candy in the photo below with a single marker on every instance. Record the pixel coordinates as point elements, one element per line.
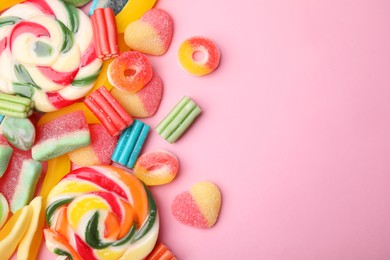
<point>5,154</point>
<point>161,252</point>
<point>52,43</point>
<point>101,212</point>
<point>109,111</point>
<point>145,102</point>
<point>208,51</point>
<point>19,181</point>
<point>4,210</point>
<point>198,207</point>
<point>152,34</point>
<point>157,167</point>
<point>130,144</point>
<point>178,119</point>
<point>20,132</point>
<point>99,151</point>
<point>130,71</point>
<point>14,230</point>
<point>60,136</point>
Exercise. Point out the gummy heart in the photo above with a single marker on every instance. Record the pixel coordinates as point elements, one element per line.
<point>152,34</point>
<point>199,207</point>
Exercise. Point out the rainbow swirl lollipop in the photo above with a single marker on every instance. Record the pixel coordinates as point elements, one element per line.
<point>101,212</point>
<point>47,53</point>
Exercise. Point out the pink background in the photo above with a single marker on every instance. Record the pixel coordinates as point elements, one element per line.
<point>295,129</point>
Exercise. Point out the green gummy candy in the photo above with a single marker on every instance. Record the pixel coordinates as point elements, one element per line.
<point>178,119</point>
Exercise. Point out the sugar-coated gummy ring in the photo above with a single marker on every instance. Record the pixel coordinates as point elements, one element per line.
<point>48,49</point>
<point>130,71</point>
<point>189,48</point>
<point>101,212</point>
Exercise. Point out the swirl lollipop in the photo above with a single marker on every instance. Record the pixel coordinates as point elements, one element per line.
<point>101,212</point>
<point>47,53</point>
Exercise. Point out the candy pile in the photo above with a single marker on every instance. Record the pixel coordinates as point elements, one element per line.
<point>71,86</point>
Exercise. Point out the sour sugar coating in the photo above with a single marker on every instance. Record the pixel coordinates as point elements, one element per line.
<point>206,62</point>
<point>47,53</point>
<point>60,136</point>
<point>99,151</point>
<point>198,207</point>
<point>152,34</point>
<point>157,167</point>
<point>178,119</point>
<point>132,11</point>
<point>4,210</point>
<point>130,144</point>
<point>109,111</point>
<point>20,179</point>
<point>145,102</point>
<point>20,132</point>
<point>5,154</point>
<point>130,71</point>
<point>101,212</point>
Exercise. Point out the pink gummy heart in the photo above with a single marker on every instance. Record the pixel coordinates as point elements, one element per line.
<point>199,207</point>
<point>151,34</point>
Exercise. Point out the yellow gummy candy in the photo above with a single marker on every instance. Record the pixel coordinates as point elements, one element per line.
<point>132,11</point>
<point>14,230</point>
<point>28,247</point>
<point>7,4</point>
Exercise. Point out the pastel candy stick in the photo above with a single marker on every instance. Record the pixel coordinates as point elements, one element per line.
<point>60,136</point>
<point>15,106</point>
<point>132,11</point>
<point>157,167</point>
<point>20,179</point>
<point>105,33</point>
<point>101,212</point>
<point>5,154</point>
<point>178,119</point>
<point>112,115</point>
<point>99,151</point>
<point>20,132</point>
<point>55,63</point>
<point>4,210</point>
<point>130,143</point>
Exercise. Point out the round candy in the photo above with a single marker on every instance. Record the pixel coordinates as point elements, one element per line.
<point>4,210</point>
<point>101,212</point>
<point>156,168</point>
<point>47,53</point>
<point>199,55</point>
<point>130,71</point>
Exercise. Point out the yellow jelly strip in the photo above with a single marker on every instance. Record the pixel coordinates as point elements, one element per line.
<point>77,209</point>
<point>132,11</point>
<point>91,118</point>
<point>70,186</point>
<point>56,169</point>
<point>28,247</point>
<point>7,4</point>
<point>14,230</point>
<point>102,79</point>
